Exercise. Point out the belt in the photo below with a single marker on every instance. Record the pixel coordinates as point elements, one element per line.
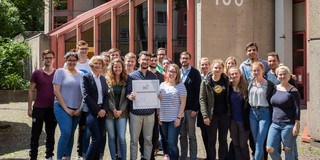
<point>258,107</point>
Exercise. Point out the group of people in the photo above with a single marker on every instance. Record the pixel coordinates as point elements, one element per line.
<point>258,102</point>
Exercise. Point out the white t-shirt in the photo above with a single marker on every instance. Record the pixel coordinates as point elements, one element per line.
<point>83,67</point>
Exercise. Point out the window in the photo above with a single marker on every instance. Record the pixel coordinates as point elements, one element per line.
<point>179,29</point>
<point>123,33</point>
<point>162,44</point>
<point>70,44</point>
<point>61,5</point>
<point>162,17</point>
<point>60,20</point>
<point>160,24</point>
<point>141,28</point>
<point>105,36</point>
<point>88,37</point>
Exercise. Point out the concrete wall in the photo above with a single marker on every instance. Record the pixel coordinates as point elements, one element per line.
<point>47,16</point>
<point>37,45</point>
<point>313,69</point>
<point>8,96</point>
<point>226,28</point>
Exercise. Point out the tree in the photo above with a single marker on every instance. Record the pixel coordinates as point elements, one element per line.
<point>31,13</point>
<point>12,57</point>
<point>11,24</point>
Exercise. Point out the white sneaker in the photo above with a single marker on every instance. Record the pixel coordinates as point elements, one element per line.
<point>166,157</point>
<point>79,158</point>
<point>50,158</point>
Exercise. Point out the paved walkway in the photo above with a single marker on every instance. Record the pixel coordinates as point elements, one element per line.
<point>14,141</point>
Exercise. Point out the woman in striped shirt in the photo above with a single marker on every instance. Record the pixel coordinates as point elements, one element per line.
<point>170,115</point>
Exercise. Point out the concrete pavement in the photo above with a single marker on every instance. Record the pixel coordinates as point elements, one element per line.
<point>15,140</point>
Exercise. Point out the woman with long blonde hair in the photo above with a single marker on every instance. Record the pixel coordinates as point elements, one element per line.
<point>239,126</point>
<point>117,112</point>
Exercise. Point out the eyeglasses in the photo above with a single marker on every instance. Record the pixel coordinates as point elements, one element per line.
<point>145,60</point>
<point>114,55</point>
<point>185,58</point>
<point>72,61</point>
<point>83,49</point>
<point>97,63</point>
<point>48,58</point>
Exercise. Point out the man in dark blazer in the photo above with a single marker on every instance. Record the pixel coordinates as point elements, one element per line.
<point>191,78</point>
<point>95,100</point>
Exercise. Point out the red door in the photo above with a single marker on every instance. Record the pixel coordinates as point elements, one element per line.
<point>299,63</point>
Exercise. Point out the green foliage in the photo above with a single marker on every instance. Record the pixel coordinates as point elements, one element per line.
<point>31,13</point>
<point>14,81</point>
<point>11,24</point>
<point>12,56</point>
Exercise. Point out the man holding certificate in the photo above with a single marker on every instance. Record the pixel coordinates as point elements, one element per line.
<point>143,93</point>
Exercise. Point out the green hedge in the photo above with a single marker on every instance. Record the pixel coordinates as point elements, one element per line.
<point>12,57</point>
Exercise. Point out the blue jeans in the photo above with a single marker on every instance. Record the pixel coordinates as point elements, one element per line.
<point>86,141</point>
<point>260,120</point>
<point>170,136</point>
<point>97,130</point>
<point>67,127</point>
<point>281,133</point>
<point>121,126</point>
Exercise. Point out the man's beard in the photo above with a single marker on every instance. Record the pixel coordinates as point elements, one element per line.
<point>144,67</point>
<point>153,67</point>
<point>185,65</point>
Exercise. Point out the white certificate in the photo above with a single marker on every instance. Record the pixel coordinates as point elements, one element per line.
<point>146,92</point>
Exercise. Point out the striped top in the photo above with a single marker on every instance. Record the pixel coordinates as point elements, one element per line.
<point>170,103</point>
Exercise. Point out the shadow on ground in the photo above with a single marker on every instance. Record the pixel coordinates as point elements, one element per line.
<point>16,158</point>
<point>15,137</point>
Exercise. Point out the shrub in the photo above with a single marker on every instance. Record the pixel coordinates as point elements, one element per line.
<point>12,57</point>
<point>14,81</point>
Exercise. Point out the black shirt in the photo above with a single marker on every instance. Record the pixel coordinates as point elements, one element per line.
<point>220,93</point>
